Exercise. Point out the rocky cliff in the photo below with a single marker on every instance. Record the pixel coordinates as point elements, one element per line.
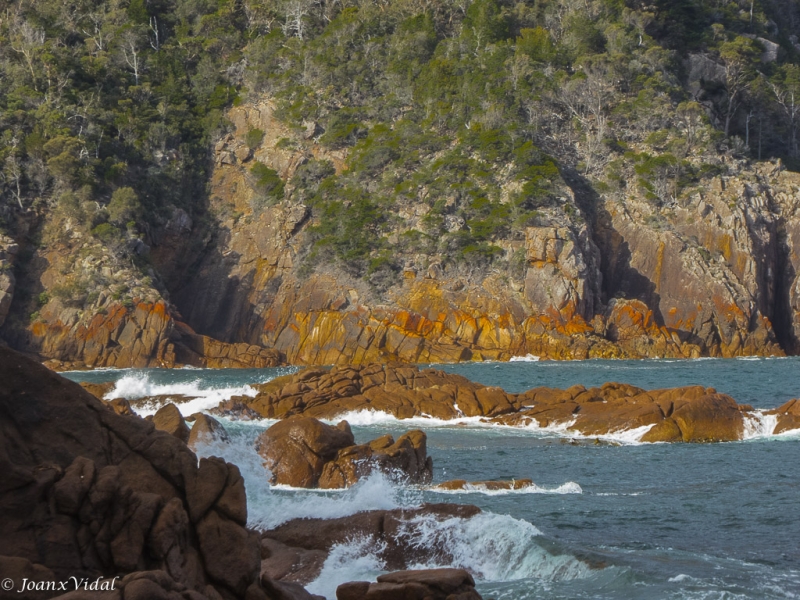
<point>712,273</point>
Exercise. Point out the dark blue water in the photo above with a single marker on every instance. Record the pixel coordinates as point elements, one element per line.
<point>704,521</point>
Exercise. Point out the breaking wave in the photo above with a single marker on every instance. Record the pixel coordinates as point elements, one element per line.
<point>200,395</point>
<point>565,488</point>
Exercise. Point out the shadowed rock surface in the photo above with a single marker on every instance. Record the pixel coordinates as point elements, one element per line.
<point>87,492</point>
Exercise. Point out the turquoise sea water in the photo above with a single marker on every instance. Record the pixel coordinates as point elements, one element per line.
<point>710,521</point>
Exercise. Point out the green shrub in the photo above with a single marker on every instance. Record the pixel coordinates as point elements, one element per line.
<point>124,206</point>
<point>253,138</point>
<point>106,232</point>
<point>267,183</point>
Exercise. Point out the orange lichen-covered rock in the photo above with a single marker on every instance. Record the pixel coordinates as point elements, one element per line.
<point>689,414</point>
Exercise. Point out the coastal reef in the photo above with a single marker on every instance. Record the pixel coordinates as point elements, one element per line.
<point>683,414</point>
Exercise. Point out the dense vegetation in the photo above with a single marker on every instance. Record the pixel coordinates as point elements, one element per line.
<point>109,110</point>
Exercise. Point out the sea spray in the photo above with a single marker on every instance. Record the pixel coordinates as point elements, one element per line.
<point>758,425</point>
<point>136,385</point>
<point>569,487</point>
<point>494,548</point>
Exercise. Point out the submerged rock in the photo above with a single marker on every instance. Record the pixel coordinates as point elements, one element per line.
<point>304,452</point>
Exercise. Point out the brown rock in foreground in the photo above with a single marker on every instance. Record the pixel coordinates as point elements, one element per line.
<point>296,450</point>
<point>426,584</point>
<point>688,414</point>
<point>304,452</point>
<point>87,492</point>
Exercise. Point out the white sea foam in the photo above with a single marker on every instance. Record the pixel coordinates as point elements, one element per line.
<point>366,418</point>
<point>139,385</point>
<point>493,547</point>
<point>526,358</point>
<point>759,425</point>
<point>565,488</point>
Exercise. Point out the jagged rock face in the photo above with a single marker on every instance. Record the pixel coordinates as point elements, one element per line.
<point>713,275</point>
<point>725,301</point>
<point>87,492</point>
<point>561,272</point>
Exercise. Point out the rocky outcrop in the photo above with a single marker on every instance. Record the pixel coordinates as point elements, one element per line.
<point>90,493</point>
<point>100,311</point>
<point>687,414</point>
<point>393,534</point>
<point>403,391</point>
<point>304,452</point>
<point>425,584</point>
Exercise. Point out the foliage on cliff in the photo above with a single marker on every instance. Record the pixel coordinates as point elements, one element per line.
<point>473,110</point>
